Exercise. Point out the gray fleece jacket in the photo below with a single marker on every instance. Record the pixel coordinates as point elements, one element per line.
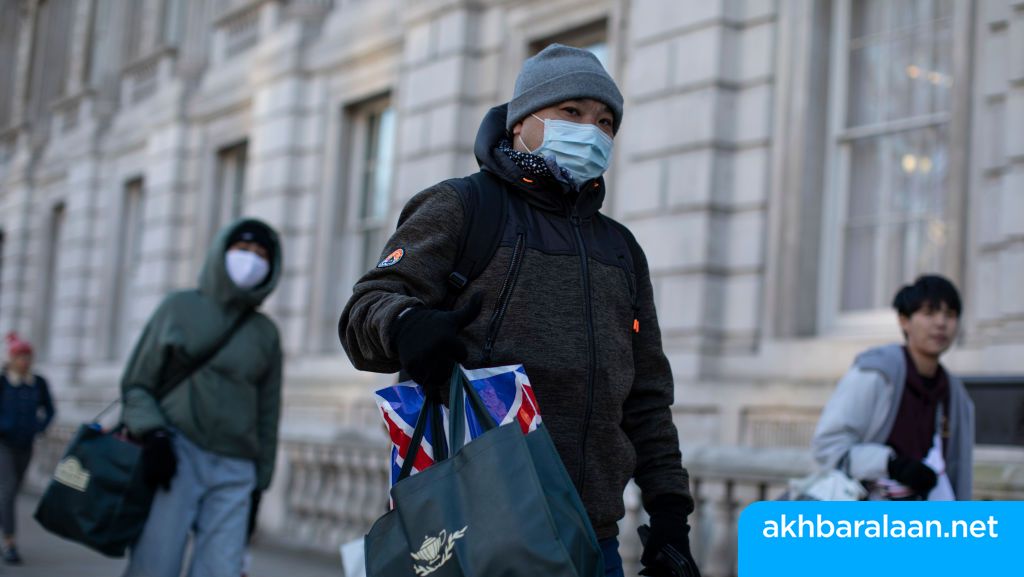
<point>858,419</point>
<point>571,296</point>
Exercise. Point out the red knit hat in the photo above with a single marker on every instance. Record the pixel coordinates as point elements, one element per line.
<point>16,346</point>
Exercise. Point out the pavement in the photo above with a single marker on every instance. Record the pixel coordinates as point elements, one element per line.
<point>47,555</point>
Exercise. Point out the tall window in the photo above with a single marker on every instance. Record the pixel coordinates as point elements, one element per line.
<point>104,57</point>
<point>49,289</point>
<point>129,258</point>
<point>50,53</point>
<point>173,22</point>
<point>370,173</point>
<point>891,135</point>
<point>231,162</point>
<point>592,37</point>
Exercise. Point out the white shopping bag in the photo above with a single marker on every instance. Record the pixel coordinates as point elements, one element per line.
<point>828,485</point>
<point>353,560</point>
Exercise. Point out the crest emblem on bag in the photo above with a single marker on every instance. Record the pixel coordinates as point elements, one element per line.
<point>435,551</point>
<point>70,472</point>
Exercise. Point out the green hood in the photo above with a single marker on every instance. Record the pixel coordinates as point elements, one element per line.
<point>214,281</point>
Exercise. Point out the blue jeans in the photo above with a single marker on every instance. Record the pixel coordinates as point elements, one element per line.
<point>209,497</point>
<point>612,559</point>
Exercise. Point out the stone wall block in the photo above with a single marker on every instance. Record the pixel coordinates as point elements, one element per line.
<point>690,178</point>
<point>652,18</point>
<point>679,240</point>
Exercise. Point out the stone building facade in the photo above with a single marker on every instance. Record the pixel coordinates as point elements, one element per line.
<point>786,164</point>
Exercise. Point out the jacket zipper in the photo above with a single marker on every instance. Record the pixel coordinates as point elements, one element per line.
<point>591,348</point>
<point>504,295</point>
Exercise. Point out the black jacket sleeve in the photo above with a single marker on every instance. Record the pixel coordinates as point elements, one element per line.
<point>647,413</point>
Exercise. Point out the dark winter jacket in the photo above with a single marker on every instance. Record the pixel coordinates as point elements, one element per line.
<point>572,299</point>
<point>26,409</point>
<point>231,405</point>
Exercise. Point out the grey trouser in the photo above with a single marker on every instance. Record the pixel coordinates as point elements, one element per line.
<point>13,464</point>
<point>209,497</point>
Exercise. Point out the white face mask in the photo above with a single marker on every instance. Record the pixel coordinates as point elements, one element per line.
<point>246,269</point>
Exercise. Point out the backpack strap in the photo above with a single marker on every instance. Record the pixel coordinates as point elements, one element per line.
<point>484,204</point>
<point>636,255</point>
<point>195,365</point>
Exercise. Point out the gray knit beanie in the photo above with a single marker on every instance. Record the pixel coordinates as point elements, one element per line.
<point>559,73</point>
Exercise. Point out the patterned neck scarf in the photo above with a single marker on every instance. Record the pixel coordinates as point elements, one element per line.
<point>533,164</point>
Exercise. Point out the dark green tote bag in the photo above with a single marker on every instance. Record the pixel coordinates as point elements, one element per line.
<point>501,506</point>
<point>97,496</point>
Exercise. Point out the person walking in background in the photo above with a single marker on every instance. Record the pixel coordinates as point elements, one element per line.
<point>898,419</point>
<point>210,442</point>
<point>26,410</point>
<point>567,294</point>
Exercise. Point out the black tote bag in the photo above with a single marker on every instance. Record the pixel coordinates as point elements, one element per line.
<point>97,496</point>
<point>501,506</point>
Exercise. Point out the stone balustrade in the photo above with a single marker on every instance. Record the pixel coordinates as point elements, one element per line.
<point>333,491</point>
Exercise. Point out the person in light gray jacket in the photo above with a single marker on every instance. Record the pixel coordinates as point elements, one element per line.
<point>898,420</point>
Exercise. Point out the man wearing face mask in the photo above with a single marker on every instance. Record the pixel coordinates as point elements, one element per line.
<point>567,293</point>
<point>209,441</point>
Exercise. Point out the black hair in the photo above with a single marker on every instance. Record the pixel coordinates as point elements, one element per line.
<point>930,289</point>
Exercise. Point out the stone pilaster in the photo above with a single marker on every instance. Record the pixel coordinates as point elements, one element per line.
<point>695,194</point>
<point>23,67</point>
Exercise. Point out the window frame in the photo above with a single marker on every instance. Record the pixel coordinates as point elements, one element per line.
<point>232,162</point>
<point>352,185</point>
<point>56,232</point>
<point>877,322</point>
<point>584,36</point>
<point>127,264</point>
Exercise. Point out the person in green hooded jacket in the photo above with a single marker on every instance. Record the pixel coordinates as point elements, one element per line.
<point>209,442</point>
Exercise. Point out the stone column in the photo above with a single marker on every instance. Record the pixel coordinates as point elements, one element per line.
<point>448,81</point>
<point>23,70</point>
<point>285,153</point>
<point>694,194</point>
<point>69,333</point>
<point>15,307</point>
<point>994,307</point>
<point>797,169</point>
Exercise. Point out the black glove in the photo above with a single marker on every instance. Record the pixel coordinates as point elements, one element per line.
<point>159,464</point>
<point>667,545</point>
<point>427,344</point>
<point>913,473</point>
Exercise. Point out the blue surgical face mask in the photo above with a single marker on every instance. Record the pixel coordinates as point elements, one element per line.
<point>582,149</point>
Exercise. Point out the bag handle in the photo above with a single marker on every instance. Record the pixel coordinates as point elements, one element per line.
<point>457,409</point>
<point>208,355</point>
<point>430,412</point>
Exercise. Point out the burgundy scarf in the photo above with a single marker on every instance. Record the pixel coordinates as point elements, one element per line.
<point>913,431</point>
